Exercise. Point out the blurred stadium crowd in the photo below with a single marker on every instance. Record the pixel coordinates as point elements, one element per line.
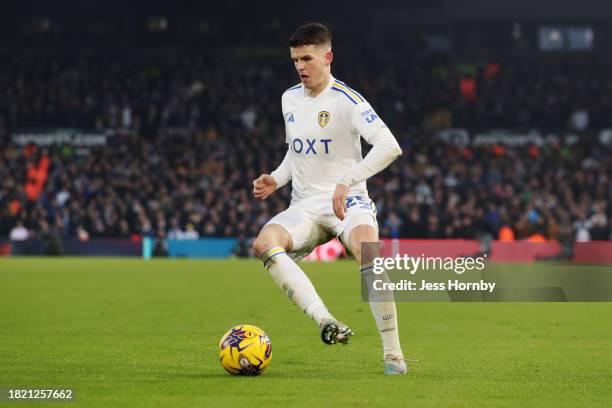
<point>194,130</point>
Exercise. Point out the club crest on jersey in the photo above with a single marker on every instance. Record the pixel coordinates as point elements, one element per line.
<point>323,118</point>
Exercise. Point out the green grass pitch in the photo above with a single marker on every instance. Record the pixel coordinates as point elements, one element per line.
<point>134,333</point>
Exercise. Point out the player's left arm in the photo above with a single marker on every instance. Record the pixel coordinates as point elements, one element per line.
<point>385,150</point>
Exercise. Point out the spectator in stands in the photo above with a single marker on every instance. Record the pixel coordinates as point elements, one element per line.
<point>187,147</point>
<point>19,232</point>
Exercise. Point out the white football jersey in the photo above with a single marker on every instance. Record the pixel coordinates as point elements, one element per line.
<point>323,137</point>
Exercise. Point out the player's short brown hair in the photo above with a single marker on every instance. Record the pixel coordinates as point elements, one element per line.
<point>310,34</point>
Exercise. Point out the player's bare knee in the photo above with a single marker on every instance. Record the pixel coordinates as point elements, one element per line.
<point>359,235</point>
<point>262,243</point>
<point>271,236</point>
<point>259,246</point>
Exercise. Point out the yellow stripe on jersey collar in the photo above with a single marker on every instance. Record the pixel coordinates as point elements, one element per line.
<point>348,90</point>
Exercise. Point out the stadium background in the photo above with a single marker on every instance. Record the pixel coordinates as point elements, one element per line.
<point>133,128</point>
<point>503,112</point>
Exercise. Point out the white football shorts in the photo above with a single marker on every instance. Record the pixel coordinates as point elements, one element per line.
<point>312,222</point>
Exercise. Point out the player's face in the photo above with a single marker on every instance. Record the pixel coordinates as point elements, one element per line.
<point>312,63</point>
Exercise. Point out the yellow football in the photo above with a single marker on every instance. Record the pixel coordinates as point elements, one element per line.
<point>245,350</point>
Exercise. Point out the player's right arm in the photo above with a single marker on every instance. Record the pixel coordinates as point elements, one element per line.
<point>266,184</point>
<point>263,186</point>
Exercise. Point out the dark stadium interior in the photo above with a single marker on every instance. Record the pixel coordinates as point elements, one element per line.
<point>189,97</point>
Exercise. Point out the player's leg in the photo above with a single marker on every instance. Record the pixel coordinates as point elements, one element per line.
<point>272,235</point>
<point>272,245</point>
<point>362,228</point>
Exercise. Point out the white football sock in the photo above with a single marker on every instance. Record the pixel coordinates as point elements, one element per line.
<point>385,315</point>
<point>294,282</point>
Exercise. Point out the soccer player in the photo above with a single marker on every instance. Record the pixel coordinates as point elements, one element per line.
<point>324,121</point>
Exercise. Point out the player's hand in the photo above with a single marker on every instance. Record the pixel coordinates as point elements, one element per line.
<point>339,200</point>
<point>263,186</point>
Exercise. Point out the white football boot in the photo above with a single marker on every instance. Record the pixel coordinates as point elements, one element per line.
<point>395,365</point>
